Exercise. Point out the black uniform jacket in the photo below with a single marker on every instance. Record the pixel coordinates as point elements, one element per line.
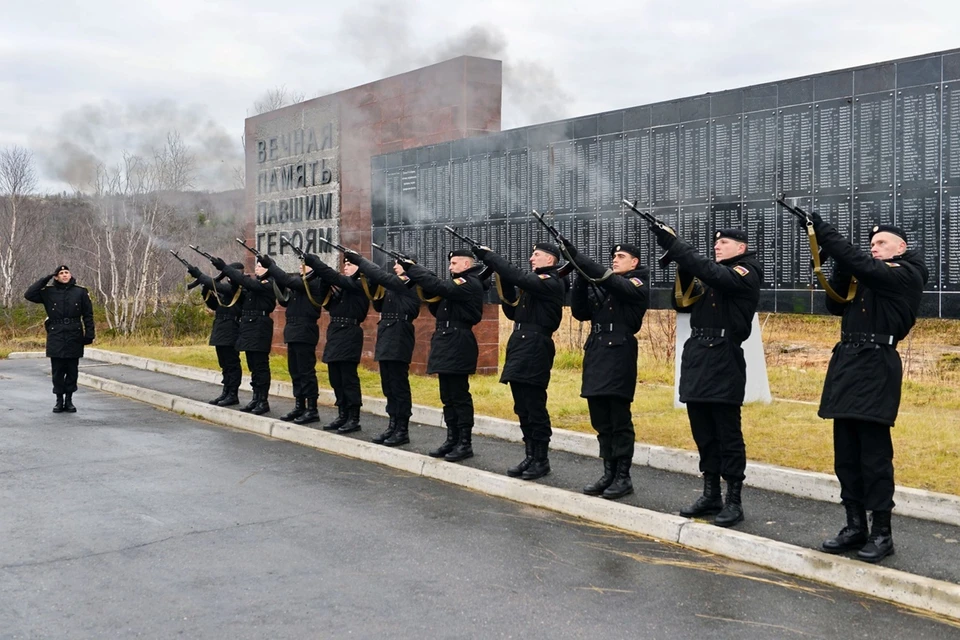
<point>226,321</point>
<point>301,314</point>
<point>258,302</point>
<point>398,308</point>
<point>864,378</point>
<point>68,305</point>
<point>453,347</point>
<point>615,308</point>
<point>537,314</point>
<point>712,367</point>
<point>348,306</point>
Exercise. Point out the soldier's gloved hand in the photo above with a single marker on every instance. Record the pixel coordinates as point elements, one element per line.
<point>352,257</point>
<point>218,263</point>
<point>405,262</point>
<point>265,260</point>
<point>194,271</point>
<point>664,234</point>
<point>480,251</point>
<point>572,250</point>
<point>87,340</point>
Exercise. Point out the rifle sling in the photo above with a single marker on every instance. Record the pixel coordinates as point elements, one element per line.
<point>376,295</point>
<point>685,298</point>
<point>817,269</point>
<point>496,279</point>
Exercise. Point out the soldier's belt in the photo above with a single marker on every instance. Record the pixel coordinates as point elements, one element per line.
<point>65,321</point>
<point>529,326</point>
<point>342,320</point>
<point>301,320</point>
<point>867,338</point>
<point>707,333</point>
<point>227,313</point>
<point>250,314</point>
<point>395,316</point>
<point>609,327</point>
<point>453,324</point>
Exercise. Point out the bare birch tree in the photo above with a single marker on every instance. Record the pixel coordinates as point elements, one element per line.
<point>18,181</point>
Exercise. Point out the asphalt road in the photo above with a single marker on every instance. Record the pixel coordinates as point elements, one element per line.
<point>122,521</point>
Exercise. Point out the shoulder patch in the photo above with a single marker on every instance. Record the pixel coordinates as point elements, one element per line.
<point>742,270</point>
<point>404,278</point>
<point>460,280</point>
<point>893,264</point>
<point>543,276</point>
<point>637,282</point>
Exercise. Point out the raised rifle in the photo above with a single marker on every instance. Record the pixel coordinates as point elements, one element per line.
<point>201,252</point>
<point>684,298</point>
<point>396,255</point>
<point>248,248</point>
<point>195,283</point>
<point>297,250</point>
<point>336,245</point>
<point>459,236</point>
<point>816,255</point>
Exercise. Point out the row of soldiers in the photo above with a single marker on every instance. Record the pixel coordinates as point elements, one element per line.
<point>879,298</point>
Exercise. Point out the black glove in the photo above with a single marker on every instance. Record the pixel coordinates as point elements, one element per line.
<point>480,251</point>
<point>266,261</point>
<point>572,250</point>
<point>194,271</point>
<point>312,261</point>
<point>405,262</point>
<point>352,257</point>
<point>50,277</point>
<point>664,234</point>
<point>87,340</point>
<point>218,263</point>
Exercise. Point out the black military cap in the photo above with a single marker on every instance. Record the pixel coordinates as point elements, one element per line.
<point>626,248</point>
<point>236,265</point>
<point>62,267</point>
<point>462,253</point>
<point>548,247</point>
<point>889,228</point>
<point>734,234</point>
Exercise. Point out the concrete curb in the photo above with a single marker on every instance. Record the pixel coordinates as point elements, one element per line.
<point>919,592</point>
<point>915,503</point>
<point>26,355</point>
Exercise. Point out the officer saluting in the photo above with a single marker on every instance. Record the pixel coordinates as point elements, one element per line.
<point>398,307</point>
<point>304,295</point>
<point>536,313</point>
<point>879,298</point>
<point>457,304</point>
<point>713,372</point>
<point>222,297</point>
<point>69,326</point>
<point>614,301</point>
<point>255,337</point>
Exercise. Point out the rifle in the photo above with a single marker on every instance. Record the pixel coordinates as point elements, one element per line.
<point>336,245</point>
<point>649,217</point>
<point>297,250</point>
<point>201,252</point>
<point>249,248</point>
<point>195,283</point>
<point>456,234</point>
<point>396,255</point>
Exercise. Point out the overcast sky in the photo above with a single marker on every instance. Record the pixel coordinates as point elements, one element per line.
<point>107,75</point>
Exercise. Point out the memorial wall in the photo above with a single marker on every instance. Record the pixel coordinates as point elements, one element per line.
<point>874,144</point>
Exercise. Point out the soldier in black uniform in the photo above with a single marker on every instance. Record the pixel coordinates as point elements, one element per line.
<point>69,326</point>
<point>614,301</point>
<point>255,337</point>
<point>348,306</point>
<point>223,297</point>
<point>457,304</point>
<point>861,392</point>
<point>398,307</point>
<point>713,371</point>
<point>536,312</point>
<point>302,295</point>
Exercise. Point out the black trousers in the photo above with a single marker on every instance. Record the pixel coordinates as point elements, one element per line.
<point>530,405</point>
<point>716,430</point>
<point>395,384</point>
<point>346,383</point>
<point>64,372</point>
<point>863,461</point>
<point>229,360</point>
<point>259,364</point>
<point>457,400</point>
<point>613,422</point>
<point>302,365</point>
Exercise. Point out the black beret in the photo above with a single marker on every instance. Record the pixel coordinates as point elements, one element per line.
<point>462,253</point>
<point>236,265</point>
<point>889,228</point>
<point>548,247</point>
<point>62,267</point>
<point>626,248</point>
<point>734,234</point>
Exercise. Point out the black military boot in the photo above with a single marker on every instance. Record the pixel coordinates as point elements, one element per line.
<point>230,399</point>
<point>464,448</point>
<point>298,410</point>
<point>382,437</point>
<point>337,422</point>
<point>401,435</point>
<point>223,394</point>
<point>310,413</point>
<point>517,471</point>
<point>68,403</point>
<point>263,405</point>
<point>254,401</point>
<point>353,421</point>
<point>58,407</point>
<point>854,535</point>
<point>609,471</point>
<point>732,512</point>
<point>880,543</point>
<point>453,438</point>
<point>622,485</point>
<point>541,463</point>
<point>710,503</point>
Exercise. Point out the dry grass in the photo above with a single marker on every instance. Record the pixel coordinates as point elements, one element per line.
<point>790,434</point>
